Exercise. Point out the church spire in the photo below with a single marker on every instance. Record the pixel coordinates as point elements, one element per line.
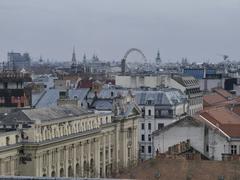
<point>84,57</point>
<point>158,58</point>
<point>74,61</point>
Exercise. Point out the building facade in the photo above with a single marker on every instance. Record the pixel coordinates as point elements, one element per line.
<point>67,142</point>
<point>13,89</point>
<point>159,108</point>
<point>17,61</point>
<point>213,132</point>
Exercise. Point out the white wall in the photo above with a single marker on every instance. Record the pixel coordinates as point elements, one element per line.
<point>210,84</point>
<point>177,134</point>
<point>138,81</point>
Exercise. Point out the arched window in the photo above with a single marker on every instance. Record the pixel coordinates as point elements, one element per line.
<point>53,174</point>
<point>77,170</point>
<point>70,171</point>
<point>61,172</point>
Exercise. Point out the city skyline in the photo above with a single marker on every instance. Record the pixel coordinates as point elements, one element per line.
<point>199,31</point>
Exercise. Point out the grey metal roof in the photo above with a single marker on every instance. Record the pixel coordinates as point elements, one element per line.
<point>49,97</point>
<point>103,104</point>
<point>109,93</point>
<point>168,96</point>
<point>14,118</point>
<point>160,97</point>
<point>30,116</point>
<point>53,113</point>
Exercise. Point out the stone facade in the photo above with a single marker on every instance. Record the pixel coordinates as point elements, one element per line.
<point>76,145</point>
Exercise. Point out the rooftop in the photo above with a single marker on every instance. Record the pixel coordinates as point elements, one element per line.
<point>30,116</point>
<point>186,81</point>
<point>223,118</point>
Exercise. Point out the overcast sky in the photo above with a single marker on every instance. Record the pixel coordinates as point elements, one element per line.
<point>197,29</point>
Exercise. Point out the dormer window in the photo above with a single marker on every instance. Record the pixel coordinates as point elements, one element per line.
<point>149,102</point>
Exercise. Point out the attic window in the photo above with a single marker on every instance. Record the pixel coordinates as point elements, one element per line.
<point>149,102</point>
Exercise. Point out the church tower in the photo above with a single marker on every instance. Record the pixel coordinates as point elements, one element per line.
<point>74,60</point>
<point>158,59</point>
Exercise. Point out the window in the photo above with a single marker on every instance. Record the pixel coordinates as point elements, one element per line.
<point>129,152</point>
<point>164,113</point>
<point>5,85</point>
<point>143,137</point>
<point>149,126</point>
<point>129,133</point>
<point>149,102</point>
<point>207,148</point>
<point>160,125</point>
<point>17,138</point>
<point>101,156</point>
<point>142,149</point>
<point>157,113</point>
<point>7,141</point>
<point>149,112</point>
<point>143,112</point>
<point>233,149</point>
<point>149,137</point>
<point>106,153</point>
<point>143,127</point>
<point>149,149</point>
<point>111,152</point>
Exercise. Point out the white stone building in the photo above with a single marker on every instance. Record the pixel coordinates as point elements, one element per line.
<point>190,87</point>
<point>187,84</point>
<point>214,133</point>
<point>159,108</point>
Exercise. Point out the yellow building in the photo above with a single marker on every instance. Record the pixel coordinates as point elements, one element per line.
<point>66,141</point>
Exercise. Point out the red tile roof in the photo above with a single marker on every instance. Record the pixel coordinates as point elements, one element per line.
<point>212,99</point>
<point>223,93</point>
<point>223,118</point>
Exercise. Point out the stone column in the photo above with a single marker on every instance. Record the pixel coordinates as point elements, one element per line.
<point>89,156</point>
<point>97,159</point>
<point>136,147</point>
<point>41,164</point>
<point>49,163</point>
<point>12,166</point>
<point>74,160</point>
<point>58,163</point>
<point>109,152</point>
<point>81,158</point>
<point>124,149</point>
<point>37,165</point>
<point>104,157</point>
<point>116,148</point>
<point>66,161</point>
